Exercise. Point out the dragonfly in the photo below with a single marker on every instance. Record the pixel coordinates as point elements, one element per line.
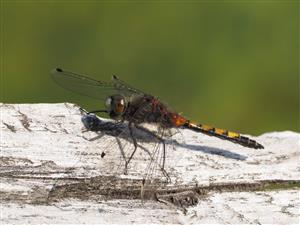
<point>124,102</point>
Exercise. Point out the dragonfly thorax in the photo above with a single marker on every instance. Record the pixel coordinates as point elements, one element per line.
<point>116,106</point>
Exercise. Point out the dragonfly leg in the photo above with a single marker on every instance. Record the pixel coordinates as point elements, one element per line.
<point>135,146</point>
<point>82,110</point>
<point>165,173</point>
<point>96,111</point>
<point>164,155</point>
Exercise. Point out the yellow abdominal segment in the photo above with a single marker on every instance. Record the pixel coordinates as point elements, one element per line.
<point>218,131</point>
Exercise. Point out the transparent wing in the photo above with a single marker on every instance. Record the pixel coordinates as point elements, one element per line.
<point>84,85</point>
<point>121,85</point>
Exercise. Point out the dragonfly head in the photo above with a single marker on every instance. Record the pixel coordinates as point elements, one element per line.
<point>116,106</point>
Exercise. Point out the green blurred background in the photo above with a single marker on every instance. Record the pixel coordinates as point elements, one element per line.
<point>232,65</point>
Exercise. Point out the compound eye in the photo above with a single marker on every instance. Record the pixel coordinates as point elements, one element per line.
<point>120,107</point>
<point>108,103</point>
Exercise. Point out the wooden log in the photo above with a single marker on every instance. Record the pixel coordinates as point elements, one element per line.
<point>54,171</point>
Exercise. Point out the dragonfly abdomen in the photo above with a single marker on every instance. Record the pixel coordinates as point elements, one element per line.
<point>224,134</point>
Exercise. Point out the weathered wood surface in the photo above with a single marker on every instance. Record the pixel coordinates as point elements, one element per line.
<point>52,172</point>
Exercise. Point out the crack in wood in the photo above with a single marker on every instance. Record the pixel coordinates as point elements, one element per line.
<point>10,127</point>
<point>112,187</point>
<point>25,120</point>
